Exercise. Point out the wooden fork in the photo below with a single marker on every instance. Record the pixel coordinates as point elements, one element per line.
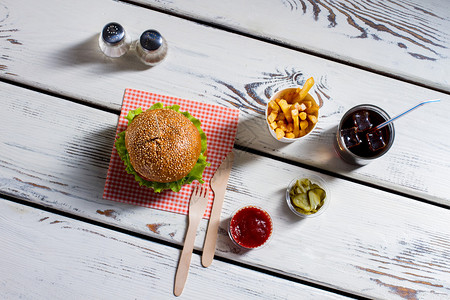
<point>197,206</point>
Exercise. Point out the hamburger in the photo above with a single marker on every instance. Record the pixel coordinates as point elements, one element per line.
<point>163,148</point>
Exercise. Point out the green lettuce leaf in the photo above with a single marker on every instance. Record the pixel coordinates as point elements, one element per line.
<point>195,174</point>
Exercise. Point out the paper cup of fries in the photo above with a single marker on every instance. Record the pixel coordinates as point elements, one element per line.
<point>292,113</point>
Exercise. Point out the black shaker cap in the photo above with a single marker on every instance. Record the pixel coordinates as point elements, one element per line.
<point>151,40</point>
<point>113,33</point>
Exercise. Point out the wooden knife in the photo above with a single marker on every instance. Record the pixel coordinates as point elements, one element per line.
<point>218,185</point>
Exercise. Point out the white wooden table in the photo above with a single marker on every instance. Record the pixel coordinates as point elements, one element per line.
<point>386,233</point>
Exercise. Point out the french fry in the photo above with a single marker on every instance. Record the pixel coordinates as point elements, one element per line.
<point>313,109</point>
<point>302,115</point>
<point>273,125</point>
<point>304,124</point>
<point>272,117</point>
<point>279,133</point>
<point>302,107</point>
<point>296,126</point>
<point>307,103</point>
<point>312,118</point>
<point>305,89</point>
<point>274,106</point>
<point>282,124</point>
<point>299,106</point>
<point>290,135</point>
<point>285,107</point>
<point>280,116</point>
<point>289,127</point>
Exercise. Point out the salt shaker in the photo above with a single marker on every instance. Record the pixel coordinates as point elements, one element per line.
<point>151,48</point>
<point>114,40</point>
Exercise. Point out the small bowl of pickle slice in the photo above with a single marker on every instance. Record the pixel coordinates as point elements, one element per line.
<point>307,196</point>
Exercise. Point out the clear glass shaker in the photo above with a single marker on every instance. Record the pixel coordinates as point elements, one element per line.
<point>114,40</point>
<point>151,48</point>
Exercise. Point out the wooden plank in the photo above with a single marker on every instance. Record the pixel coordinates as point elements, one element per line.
<point>225,68</point>
<point>372,243</point>
<point>243,76</point>
<point>407,39</point>
<point>41,251</point>
<point>366,238</point>
<point>230,70</point>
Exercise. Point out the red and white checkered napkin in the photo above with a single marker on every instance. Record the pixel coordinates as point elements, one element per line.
<point>220,126</point>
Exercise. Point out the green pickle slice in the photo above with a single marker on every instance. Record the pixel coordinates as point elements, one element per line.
<point>306,197</point>
<point>301,201</point>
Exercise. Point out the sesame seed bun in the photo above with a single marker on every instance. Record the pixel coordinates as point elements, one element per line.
<point>163,145</point>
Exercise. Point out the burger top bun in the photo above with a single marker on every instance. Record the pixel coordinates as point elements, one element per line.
<point>163,145</point>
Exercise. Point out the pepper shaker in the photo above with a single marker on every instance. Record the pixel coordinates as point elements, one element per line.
<point>114,40</point>
<point>151,48</point>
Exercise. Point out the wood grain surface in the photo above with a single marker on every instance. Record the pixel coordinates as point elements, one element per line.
<point>243,76</point>
<point>386,231</point>
<point>407,39</point>
<point>42,259</point>
<point>369,242</point>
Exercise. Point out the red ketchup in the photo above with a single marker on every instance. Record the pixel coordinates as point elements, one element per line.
<point>251,227</point>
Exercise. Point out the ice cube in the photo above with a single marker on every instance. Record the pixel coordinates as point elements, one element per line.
<point>375,140</point>
<point>350,136</point>
<point>361,120</point>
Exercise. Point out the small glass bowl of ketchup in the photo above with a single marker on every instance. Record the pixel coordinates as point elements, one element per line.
<point>250,227</point>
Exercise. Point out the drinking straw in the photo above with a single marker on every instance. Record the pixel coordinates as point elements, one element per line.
<point>403,113</point>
